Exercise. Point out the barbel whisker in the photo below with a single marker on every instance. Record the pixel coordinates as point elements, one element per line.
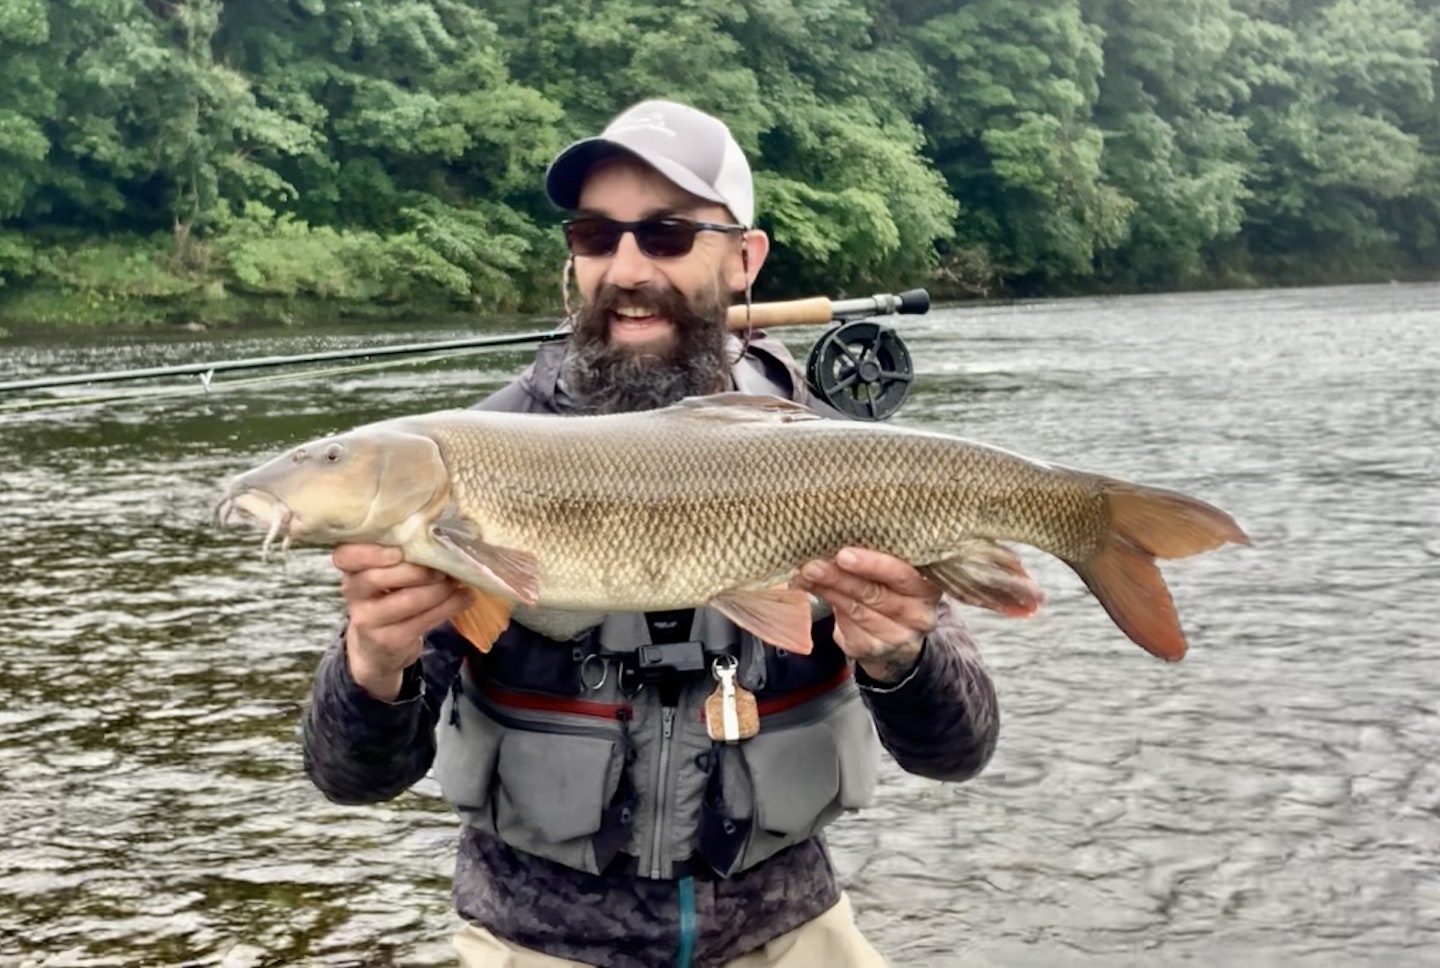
<point>281,518</point>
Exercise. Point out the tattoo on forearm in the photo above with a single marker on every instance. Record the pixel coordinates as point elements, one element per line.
<point>891,669</point>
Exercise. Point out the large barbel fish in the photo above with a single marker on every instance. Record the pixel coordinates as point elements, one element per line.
<point>718,501</point>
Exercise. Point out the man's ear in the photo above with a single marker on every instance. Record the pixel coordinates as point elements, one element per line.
<point>747,260</point>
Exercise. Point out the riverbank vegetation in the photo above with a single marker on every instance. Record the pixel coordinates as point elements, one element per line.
<point>183,160</point>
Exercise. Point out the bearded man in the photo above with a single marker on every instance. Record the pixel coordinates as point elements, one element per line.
<point>604,821</point>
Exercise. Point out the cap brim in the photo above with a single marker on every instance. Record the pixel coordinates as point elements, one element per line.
<point>567,172</point>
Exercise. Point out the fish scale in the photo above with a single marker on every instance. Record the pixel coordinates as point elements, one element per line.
<point>736,505</point>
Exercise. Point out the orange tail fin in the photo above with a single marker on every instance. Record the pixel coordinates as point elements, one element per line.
<point>1148,523</point>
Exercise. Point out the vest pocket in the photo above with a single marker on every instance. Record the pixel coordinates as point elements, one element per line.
<point>553,791</point>
<point>467,745</point>
<point>541,772</point>
<point>807,766</point>
<point>858,747</point>
<point>795,776</point>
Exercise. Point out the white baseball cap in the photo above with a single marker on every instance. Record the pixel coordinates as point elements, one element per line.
<point>690,148</point>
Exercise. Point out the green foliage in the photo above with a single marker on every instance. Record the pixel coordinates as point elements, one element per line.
<point>476,253</point>
<point>1012,133</point>
<point>463,256</point>
<point>118,267</point>
<point>166,159</point>
<point>834,215</point>
<point>1344,136</point>
<point>18,258</point>
<point>1175,147</point>
<point>272,254</point>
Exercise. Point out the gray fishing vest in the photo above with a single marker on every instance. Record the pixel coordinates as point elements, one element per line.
<point>566,750</point>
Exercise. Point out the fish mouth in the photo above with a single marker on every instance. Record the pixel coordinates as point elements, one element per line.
<point>264,508</point>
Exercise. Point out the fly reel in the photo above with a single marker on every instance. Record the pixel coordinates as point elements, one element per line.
<point>862,369</point>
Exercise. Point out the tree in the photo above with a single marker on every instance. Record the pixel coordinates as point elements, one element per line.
<point>1338,132</point>
<point>1012,131</point>
<point>1175,144</point>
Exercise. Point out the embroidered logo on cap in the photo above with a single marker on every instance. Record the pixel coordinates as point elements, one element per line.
<point>650,122</point>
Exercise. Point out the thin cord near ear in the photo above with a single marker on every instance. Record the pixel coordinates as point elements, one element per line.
<point>565,289</point>
<point>745,266</point>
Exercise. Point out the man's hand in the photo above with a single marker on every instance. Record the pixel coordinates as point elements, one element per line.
<point>883,608</point>
<point>392,604</point>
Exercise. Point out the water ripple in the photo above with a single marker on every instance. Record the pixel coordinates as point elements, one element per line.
<point>1273,800</point>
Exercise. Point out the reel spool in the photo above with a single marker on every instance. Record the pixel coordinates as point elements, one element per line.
<point>862,369</point>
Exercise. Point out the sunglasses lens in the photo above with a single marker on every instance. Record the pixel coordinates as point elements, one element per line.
<point>660,238</point>
<point>592,236</point>
<point>665,238</point>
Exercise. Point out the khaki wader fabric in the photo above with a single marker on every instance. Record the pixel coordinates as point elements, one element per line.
<point>831,940</point>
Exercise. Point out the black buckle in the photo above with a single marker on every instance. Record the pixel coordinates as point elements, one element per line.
<point>657,660</point>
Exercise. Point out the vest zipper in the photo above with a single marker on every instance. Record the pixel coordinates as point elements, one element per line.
<point>662,789</point>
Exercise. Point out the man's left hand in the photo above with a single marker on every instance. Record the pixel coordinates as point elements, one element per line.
<point>883,608</point>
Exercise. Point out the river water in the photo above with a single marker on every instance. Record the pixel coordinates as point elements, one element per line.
<point>1272,800</point>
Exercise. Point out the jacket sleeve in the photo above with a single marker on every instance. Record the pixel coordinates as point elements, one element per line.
<point>942,720</point>
<point>359,749</point>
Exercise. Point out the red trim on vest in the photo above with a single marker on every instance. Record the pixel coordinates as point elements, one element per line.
<point>537,702</point>
<point>790,700</point>
<point>555,704</point>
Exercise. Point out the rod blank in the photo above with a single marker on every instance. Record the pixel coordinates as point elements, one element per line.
<point>816,310</point>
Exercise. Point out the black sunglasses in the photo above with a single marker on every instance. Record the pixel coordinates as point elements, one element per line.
<point>658,238</point>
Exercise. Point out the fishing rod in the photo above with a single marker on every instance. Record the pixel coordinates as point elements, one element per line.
<point>869,359</point>
<point>819,310</point>
<point>796,312</point>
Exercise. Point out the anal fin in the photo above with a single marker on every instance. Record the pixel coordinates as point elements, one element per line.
<point>777,616</point>
<point>987,574</point>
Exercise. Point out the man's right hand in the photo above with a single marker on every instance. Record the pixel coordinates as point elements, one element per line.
<point>392,604</point>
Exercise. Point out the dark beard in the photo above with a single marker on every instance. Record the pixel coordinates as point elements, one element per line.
<point>621,379</point>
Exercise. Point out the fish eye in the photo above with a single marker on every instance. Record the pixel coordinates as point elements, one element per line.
<point>333,453</point>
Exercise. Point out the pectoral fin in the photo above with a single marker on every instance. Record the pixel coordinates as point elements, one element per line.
<point>989,575</point>
<point>777,616</point>
<point>509,571</point>
<point>483,621</point>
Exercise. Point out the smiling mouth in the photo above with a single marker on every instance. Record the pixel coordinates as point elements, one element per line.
<point>632,321</point>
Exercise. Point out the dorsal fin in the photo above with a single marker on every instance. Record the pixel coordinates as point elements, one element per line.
<point>735,405</point>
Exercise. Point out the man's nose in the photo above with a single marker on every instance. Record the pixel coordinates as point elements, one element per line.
<point>629,267</point>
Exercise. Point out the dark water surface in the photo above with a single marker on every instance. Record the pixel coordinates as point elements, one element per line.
<point>1272,800</point>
